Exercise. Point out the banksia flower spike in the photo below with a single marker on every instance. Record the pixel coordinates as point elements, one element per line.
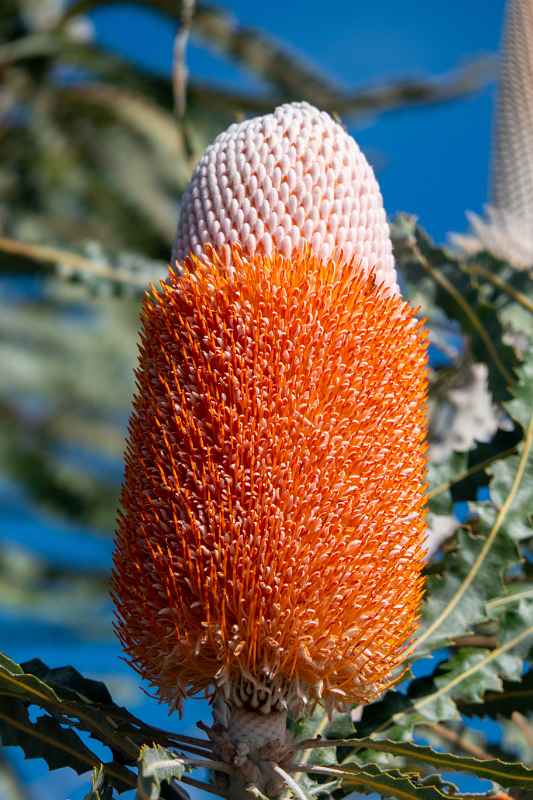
<point>271,539</point>
<point>507,231</point>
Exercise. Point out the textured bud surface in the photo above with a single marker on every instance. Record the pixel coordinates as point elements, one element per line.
<point>277,181</point>
<point>272,534</point>
<point>507,228</point>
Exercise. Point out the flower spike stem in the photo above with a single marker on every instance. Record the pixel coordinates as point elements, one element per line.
<point>251,745</point>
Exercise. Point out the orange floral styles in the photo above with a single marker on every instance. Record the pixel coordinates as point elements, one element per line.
<point>271,538</point>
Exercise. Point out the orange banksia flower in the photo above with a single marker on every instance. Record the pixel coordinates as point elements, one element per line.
<point>271,538</point>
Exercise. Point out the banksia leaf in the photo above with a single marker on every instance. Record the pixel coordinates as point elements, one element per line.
<point>502,772</point>
<point>46,738</point>
<point>156,767</point>
<point>271,538</point>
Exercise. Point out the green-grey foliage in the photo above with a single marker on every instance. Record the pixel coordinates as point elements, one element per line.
<point>514,696</point>
<point>156,766</point>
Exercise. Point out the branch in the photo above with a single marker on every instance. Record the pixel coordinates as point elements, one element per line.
<point>414,92</point>
<point>393,96</point>
<point>297,84</point>
<point>179,67</point>
<point>458,740</point>
<point>487,642</point>
<point>466,473</point>
<point>251,48</point>
<point>518,297</point>
<point>53,256</point>
<point>205,787</point>
<point>523,726</point>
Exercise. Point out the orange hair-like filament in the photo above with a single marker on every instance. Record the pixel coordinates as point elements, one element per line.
<point>272,527</point>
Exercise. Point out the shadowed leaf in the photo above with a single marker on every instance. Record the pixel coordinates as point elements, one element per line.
<point>393,783</point>
<point>46,738</point>
<point>503,773</point>
<point>512,697</point>
<point>461,300</point>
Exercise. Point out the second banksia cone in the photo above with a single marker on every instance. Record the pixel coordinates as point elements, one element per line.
<point>271,540</point>
<point>506,231</point>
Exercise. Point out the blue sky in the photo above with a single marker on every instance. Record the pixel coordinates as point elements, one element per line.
<point>432,162</point>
